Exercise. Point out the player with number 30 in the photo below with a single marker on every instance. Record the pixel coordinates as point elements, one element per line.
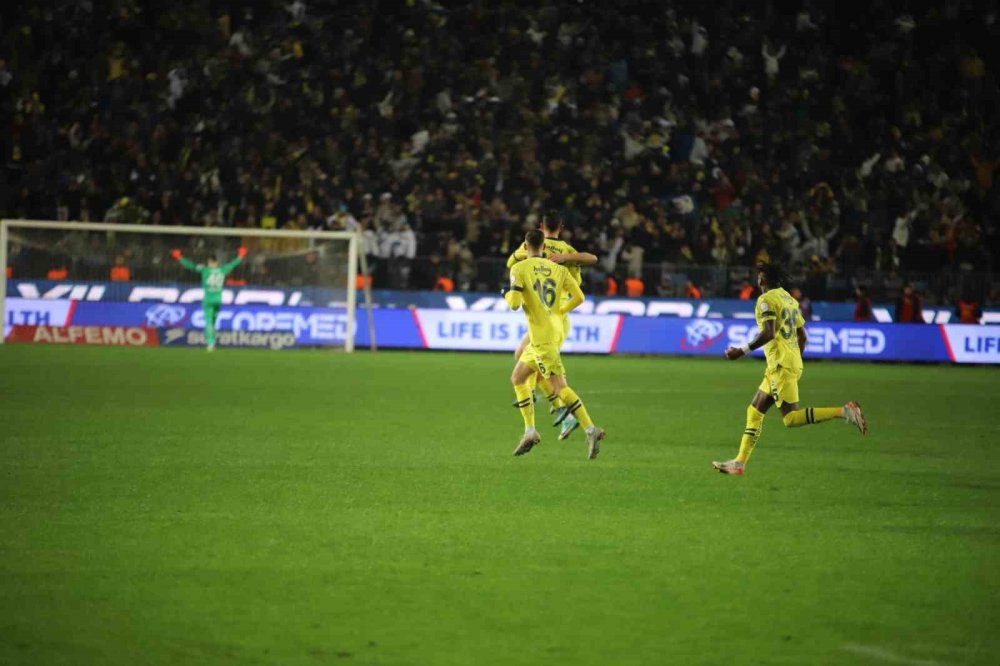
<point>782,334</point>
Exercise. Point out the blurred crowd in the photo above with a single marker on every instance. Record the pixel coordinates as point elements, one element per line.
<point>857,143</point>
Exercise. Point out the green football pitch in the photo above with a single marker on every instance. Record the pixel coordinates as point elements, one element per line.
<point>166,506</point>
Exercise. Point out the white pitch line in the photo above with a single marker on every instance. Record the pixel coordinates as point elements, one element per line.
<point>885,655</point>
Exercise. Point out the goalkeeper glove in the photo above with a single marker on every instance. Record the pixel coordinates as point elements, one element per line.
<point>176,254</point>
<point>242,252</point>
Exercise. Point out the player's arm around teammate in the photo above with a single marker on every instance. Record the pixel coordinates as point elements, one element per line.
<point>575,258</point>
<point>582,259</point>
<point>566,422</point>
<point>563,254</point>
<point>546,292</point>
<point>515,300</point>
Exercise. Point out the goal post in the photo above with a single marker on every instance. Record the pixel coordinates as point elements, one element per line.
<point>306,278</point>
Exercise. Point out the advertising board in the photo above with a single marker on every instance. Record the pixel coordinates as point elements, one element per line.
<point>176,293</point>
<point>283,327</point>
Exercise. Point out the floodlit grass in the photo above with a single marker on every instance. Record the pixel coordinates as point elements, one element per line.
<point>165,506</point>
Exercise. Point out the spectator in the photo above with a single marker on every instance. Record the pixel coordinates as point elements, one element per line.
<point>790,239</point>
<point>816,278</point>
<point>119,271</point>
<point>634,287</point>
<point>400,249</point>
<point>610,286</point>
<point>257,117</point>
<point>909,307</point>
<point>771,60</point>
<point>5,76</point>
<point>612,249</point>
<point>632,256</point>
<point>444,283</point>
<point>805,304</point>
<point>818,244</point>
<point>691,290</point>
<point>968,310</point>
<point>862,304</point>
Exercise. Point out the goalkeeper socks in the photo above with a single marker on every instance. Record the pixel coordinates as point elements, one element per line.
<point>575,405</point>
<point>550,395</point>
<point>755,422</point>
<point>210,312</point>
<point>525,405</point>
<point>810,415</point>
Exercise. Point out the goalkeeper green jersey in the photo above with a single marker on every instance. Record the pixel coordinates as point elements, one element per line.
<point>213,278</point>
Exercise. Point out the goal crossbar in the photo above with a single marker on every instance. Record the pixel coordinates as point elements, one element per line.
<point>354,257</point>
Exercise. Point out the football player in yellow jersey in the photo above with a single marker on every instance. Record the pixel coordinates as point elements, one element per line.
<point>783,337</point>
<point>546,291</point>
<point>561,252</point>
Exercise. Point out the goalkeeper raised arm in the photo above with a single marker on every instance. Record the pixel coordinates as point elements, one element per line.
<point>213,278</point>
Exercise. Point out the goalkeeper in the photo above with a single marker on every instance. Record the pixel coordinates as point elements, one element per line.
<point>213,278</point>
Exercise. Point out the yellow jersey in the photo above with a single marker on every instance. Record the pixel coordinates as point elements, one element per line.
<point>552,246</point>
<point>777,305</point>
<point>546,291</point>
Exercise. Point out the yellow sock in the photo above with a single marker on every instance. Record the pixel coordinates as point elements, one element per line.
<point>810,415</point>
<point>550,395</point>
<point>525,404</point>
<point>576,407</point>
<point>755,422</point>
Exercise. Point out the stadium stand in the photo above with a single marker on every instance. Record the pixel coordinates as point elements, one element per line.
<point>680,141</point>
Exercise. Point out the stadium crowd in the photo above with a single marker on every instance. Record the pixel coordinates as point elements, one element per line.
<point>855,144</point>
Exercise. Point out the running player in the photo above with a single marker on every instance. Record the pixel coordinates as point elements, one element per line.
<point>560,252</point>
<point>213,278</point>
<point>547,292</point>
<point>783,337</point>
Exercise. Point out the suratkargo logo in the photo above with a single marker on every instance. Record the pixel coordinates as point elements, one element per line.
<point>701,333</point>
<point>161,316</point>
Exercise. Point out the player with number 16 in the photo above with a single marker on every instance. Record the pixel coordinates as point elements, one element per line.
<point>546,291</point>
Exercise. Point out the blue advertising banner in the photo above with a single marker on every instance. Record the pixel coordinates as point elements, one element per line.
<point>833,340</point>
<point>281,327</point>
<point>310,326</point>
<point>175,293</point>
<point>306,326</point>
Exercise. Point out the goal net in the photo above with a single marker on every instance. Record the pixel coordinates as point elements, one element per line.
<point>98,283</point>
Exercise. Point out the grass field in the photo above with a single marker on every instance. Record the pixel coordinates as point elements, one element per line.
<point>171,507</point>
